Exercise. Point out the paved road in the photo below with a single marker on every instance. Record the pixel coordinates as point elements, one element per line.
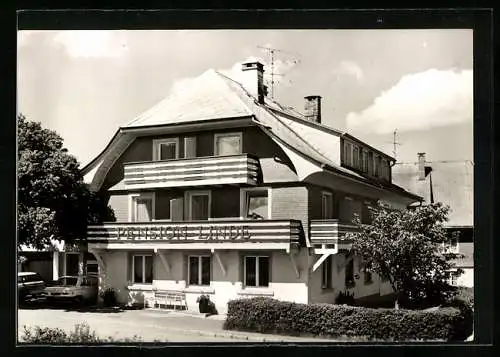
<point>149,325</point>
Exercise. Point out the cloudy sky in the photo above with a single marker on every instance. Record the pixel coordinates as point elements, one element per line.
<point>85,84</point>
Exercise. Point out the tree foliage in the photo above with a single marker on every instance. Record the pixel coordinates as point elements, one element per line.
<point>405,247</point>
<point>53,200</point>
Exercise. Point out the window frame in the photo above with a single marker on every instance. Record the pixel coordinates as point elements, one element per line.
<point>132,205</point>
<point>200,269</point>
<point>326,274</point>
<point>323,195</point>
<point>257,270</point>
<point>222,135</point>
<point>157,147</point>
<point>188,195</point>
<point>244,200</point>
<point>143,256</point>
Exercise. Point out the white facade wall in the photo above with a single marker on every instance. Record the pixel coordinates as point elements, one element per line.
<point>467,278</point>
<point>284,284</point>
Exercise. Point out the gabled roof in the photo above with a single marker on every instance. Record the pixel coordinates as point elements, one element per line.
<point>212,96</point>
<point>452,184</point>
<point>203,98</point>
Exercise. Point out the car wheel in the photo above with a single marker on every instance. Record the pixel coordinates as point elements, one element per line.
<point>79,300</point>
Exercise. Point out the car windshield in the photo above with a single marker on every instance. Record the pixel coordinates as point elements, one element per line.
<point>67,281</point>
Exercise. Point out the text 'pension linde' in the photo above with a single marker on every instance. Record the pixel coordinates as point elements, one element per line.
<point>184,233</point>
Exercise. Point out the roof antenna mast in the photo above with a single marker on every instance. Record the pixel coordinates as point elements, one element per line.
<point>395,143</point>
<point>271,51</point>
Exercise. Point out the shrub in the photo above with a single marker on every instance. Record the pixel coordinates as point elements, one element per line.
<point>109,297</point>
<point>80,335</point>
<point>267,315</point>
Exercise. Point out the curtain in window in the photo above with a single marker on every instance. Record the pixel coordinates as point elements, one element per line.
<point>228,145</point>
<point>205,270</point>
<point>168,151</point>
<point>263,271</point>
<point>193,270</point>
<point>250,271</point>
<point>144,210</point>
<point>138,269</point>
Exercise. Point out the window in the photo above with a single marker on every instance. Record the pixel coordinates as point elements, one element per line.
<point>364,160</point>
<point>198,205</point>
<point>453,277</point>
<point>377,166</point>
<point>368,278</point>
<point>326,278</point>
<point>190,147</point>
<point>326,205</point>
<point>199,270</point>
<point>166,149</point>
<point>142,269</point>
<point>349,274</point>
<point>142,207</point>
<point>228,144</point>
<point>370,163</point>
<point>347,153</point>
<point>256,271</point>
<point>355,156</point>
<point>256,204</point>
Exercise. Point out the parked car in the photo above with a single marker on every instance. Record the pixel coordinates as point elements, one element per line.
<point>29,285</point>
<point>81,289</point>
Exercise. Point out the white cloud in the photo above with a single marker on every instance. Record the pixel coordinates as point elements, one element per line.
<point>235,73</point>
<point>91,43</point>
<point>418,102</point>
<point>349,68</point>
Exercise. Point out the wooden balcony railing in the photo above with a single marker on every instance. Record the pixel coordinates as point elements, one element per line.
<point>170,234</point>
<point>213,170</point>
<point>331,231</point>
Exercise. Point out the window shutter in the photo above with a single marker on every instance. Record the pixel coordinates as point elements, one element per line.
<point>177,209</point>
<point>190,147</point>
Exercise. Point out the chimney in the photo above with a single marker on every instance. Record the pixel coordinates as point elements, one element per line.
<point>253,80</point>
<point>313,108</point>
<point>421,166</point>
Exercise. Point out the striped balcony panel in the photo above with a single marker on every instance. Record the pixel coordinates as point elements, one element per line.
<point>214,170</point>
<point>169,234</point>
<point>330,232</point>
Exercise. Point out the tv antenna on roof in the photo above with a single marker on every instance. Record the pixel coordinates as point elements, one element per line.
<point>395,143</point>
<point>271,51</point>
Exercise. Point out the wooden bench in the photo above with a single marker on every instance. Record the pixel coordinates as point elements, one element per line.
<point>170,298</point>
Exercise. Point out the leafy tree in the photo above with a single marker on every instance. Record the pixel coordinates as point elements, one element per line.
<point>405,247</point>
<point>53,201</point>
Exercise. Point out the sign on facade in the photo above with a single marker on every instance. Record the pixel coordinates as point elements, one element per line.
<point>198,233</point>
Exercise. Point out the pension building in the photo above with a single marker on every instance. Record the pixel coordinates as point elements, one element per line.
<point>219,190</point>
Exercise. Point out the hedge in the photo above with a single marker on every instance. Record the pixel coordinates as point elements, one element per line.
<point>266,315</point>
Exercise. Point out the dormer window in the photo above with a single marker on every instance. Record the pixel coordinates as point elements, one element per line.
<point>166,149</point>
<point>228,144</point>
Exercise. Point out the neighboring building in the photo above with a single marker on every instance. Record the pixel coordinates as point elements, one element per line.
<point>55,261</point>
<point>219,190</point>
<point>451,183</point>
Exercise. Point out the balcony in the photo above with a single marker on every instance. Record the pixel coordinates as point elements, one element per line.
<point>227,234</point>
<point>200,171</point>
<point>331,233</point>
